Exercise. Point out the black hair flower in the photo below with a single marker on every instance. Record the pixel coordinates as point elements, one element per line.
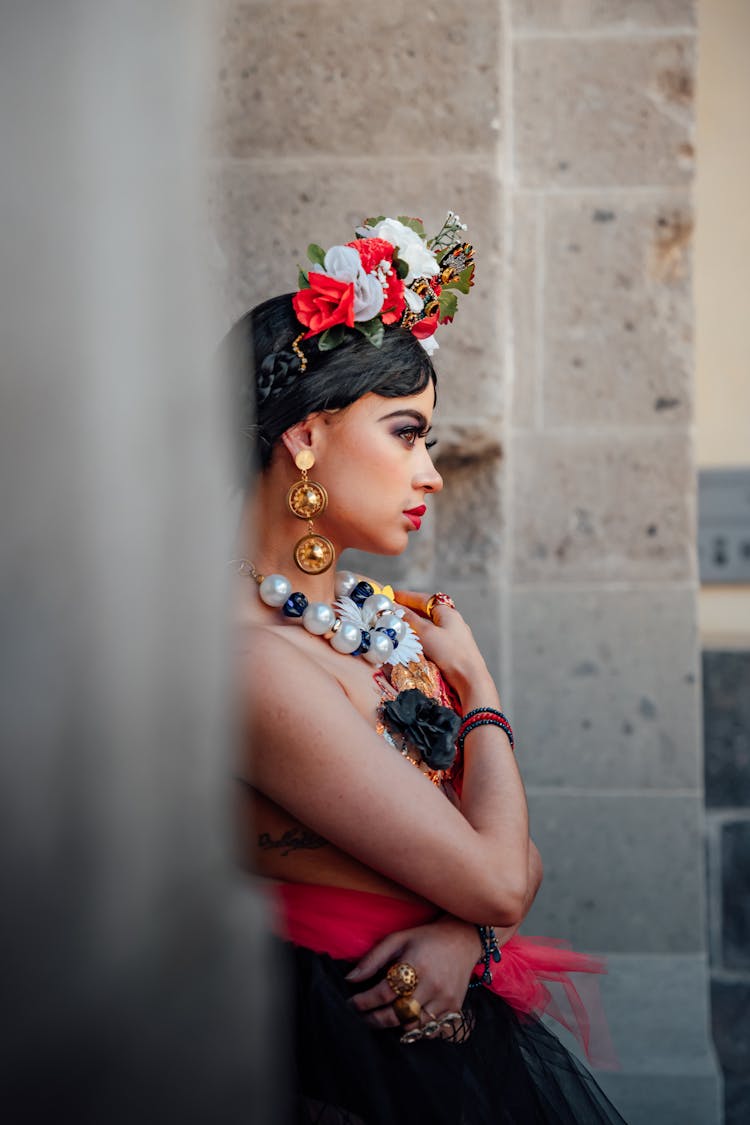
<point>428,725</point>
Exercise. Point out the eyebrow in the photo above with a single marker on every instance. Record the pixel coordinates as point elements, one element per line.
<point>417,415</point>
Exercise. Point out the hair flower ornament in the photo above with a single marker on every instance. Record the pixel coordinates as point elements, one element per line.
<point>390,274</point>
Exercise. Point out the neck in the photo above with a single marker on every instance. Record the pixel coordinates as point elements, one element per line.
<point>267,535</point>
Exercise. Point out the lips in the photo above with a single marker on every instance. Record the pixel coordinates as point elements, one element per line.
<point>415,515</point>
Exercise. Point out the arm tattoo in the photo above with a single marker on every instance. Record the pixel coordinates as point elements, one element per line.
<point>293,840</point>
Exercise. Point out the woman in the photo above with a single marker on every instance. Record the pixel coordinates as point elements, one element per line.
<point>394,886</point>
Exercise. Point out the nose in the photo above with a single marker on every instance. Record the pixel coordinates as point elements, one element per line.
<point>428,478</point>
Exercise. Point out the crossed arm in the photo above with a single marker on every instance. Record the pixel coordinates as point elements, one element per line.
<point>443,952</point>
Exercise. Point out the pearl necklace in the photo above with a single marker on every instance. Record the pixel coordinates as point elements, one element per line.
<point>359,623</point>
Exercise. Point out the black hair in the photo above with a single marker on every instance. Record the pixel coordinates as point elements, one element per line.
<point>271,394</point>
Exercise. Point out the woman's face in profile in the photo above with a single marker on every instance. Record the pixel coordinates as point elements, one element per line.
<point>373,459</point>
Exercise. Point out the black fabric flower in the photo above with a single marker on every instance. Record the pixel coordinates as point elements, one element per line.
<point>428,725</point>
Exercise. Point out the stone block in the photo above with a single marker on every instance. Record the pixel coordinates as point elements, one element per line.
<point>265,217</point>
<point>735,894</point>
<point>617,310</point>
<point>589,15</point>
<point>623,872</point>
<point>527,266</point>
<point>656,1010</point>
<point>730,1021</point>
<point>726,728</point>
<point>300,78</point>
<point>598,112</point>
<point>618,705</point>
<point>597,507</point>
<point>469,518</point>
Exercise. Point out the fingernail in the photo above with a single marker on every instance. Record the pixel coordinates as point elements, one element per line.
<point>353,973</point>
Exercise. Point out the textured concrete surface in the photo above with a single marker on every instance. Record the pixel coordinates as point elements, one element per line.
<point>592,506</point>
<point>601,15</point>
<point>595,112</point>
<point>621,870</point>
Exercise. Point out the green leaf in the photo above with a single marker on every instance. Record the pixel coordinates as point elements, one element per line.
<point>316,254</point>
<point>302,282</point>
<point>447,303</point>
<point>402,268</point>
<point>463,281</point>
<point>413,224</point>
<point>373,222</point>
<point>331,338</point>
<point>373,329</point>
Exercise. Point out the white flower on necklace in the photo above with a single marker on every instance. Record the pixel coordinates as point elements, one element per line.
<point>409,648</point>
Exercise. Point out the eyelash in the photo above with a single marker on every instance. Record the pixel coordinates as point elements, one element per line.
<point>413,433</point>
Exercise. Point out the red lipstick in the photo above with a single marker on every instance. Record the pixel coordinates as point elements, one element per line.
<point>415,515</point>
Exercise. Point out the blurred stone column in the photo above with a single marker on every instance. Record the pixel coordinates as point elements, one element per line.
<point>135,974</point>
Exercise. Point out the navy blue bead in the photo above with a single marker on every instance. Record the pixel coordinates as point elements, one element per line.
<point>364,645</point>
<point>295,605</point>
<point>361,591</point>
<point>392,634</point>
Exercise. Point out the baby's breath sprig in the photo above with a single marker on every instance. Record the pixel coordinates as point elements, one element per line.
<point>448,233</point>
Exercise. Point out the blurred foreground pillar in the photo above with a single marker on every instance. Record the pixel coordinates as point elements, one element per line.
<point>132,953</point>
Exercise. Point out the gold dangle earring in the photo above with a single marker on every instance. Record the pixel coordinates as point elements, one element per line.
<point>307,499</point>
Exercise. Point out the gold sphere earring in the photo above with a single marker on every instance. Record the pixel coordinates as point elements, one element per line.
<point>307,500</point>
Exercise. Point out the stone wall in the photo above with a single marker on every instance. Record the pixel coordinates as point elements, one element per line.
<point>562,133</point>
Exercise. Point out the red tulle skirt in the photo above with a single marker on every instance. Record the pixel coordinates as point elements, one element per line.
<point>534,976</point>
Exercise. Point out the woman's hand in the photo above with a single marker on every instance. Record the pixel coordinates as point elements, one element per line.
<point>449,642</point>
<point>444,954</point>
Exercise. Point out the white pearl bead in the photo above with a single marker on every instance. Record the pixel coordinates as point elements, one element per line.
<point>376,603</point>
<point>348,638</point>
<point>393,621</point>
<point>345,583</point>
<point>380,650</point>
<point>275,589</point>
<point>318,618</point>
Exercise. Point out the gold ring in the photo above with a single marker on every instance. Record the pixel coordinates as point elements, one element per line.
<point>407,1008</point>
<point>402,977</point>
<point>438,598</point>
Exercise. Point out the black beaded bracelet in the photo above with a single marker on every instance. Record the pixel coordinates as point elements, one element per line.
<point>491,952</point>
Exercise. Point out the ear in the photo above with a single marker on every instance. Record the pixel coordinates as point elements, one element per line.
<point>299,436</point>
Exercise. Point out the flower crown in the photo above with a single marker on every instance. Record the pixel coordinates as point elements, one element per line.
<point>390,274</point>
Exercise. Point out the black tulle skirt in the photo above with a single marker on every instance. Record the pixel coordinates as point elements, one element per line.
<point>509,1070</point>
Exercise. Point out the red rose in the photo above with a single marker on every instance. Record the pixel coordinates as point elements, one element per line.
<point>372,251</point>
<point>325,303</point>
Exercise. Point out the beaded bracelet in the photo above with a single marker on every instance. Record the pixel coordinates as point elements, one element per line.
<point>486,712</point>
<point>484,719</point>
<point>490,952</point>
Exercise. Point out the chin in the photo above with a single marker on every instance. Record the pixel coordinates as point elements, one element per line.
<point>394,545</point>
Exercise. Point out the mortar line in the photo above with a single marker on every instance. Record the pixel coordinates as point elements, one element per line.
<point>603,33</point>
<point>540,313</point>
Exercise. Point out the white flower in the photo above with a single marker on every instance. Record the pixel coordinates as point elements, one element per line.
<point>343,263</point>
<point>430,344</point>
<point>368,295</point>
<point>412,249</point>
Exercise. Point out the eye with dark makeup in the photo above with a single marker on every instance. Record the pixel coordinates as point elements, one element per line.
<point>411,433</point>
